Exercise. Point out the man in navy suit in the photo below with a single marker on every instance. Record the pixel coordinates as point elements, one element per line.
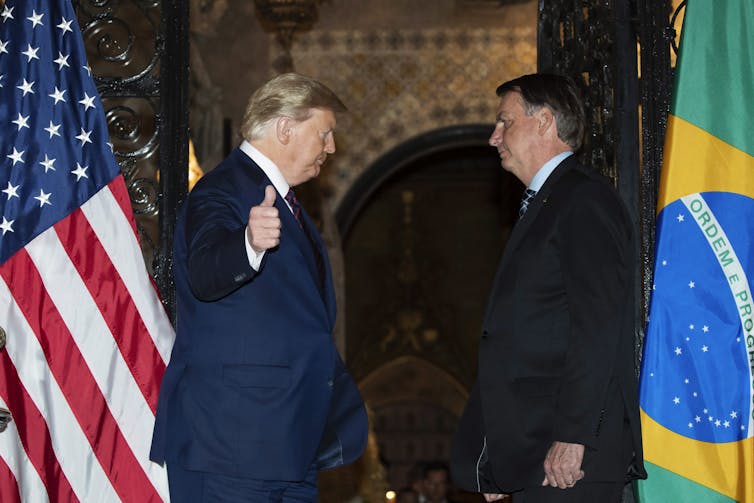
<point>554,416</point>
<point>256,399</point>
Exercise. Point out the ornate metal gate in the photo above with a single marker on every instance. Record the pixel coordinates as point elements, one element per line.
<point>598,42</point>
<point>138,53</point>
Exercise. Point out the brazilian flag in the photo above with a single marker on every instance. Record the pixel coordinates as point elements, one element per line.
<point>698,367</point>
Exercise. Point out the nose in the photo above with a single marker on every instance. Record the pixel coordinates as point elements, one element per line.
<point>330,144</point>
<point>495,137</point>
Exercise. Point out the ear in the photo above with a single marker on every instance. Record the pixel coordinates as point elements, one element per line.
<point>284,129</point>
<point>546,120</point>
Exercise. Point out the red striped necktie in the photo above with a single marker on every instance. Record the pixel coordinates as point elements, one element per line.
<point>318,258</point>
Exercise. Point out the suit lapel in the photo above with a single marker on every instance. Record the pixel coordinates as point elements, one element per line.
<point>328,293</point>
<point>535,205</point>
<point>522,226</point>
<point>293,231</point>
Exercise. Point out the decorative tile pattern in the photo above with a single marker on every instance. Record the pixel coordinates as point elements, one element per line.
<point>401,83</point>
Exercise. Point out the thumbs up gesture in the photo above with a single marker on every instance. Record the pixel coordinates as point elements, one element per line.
<point>263,230</point>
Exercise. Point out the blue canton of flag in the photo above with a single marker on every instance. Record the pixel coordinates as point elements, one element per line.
<point>54,153</point>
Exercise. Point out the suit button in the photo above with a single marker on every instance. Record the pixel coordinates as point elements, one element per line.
<point>329,383</point>
<point>485,333</point>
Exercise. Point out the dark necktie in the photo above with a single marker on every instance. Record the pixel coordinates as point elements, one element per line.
<point>525,200</point>
<point>295,206</point>
<point>320,261</point>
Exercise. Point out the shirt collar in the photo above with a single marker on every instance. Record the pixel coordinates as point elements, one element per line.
<point>544,172</point>
<point>266,165</point>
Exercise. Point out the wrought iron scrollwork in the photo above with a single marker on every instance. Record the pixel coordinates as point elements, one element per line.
<point>595,42</point>
<point>138,54</point>
<point>584,39</point>
<point>672,32</point>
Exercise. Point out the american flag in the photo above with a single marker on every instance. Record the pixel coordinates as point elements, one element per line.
<point>87,338</point>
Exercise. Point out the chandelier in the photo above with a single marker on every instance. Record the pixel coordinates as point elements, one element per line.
<point>285,18</point>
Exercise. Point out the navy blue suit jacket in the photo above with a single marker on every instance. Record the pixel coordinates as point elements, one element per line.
<point>255,386</point>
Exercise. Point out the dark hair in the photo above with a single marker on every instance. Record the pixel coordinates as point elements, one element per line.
<point>435,466</point>
<point>556,92</point>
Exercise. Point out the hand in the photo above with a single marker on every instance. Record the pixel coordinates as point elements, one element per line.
<point>263,230</point>
<point>493,497</point>
<point>563,465</point>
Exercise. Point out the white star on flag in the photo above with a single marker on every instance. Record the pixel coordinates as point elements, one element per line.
<point>31,53</point>
<point>7,13</point>
<point>57,95</point>
<point>65,26</point>
<point>11,191</point>
<point>80,171</point>
<point>88,102</point>
<point>53,129</point>
<point>48,164</point>
<point>26,87</point>
<point>61,61</point>
<point>16,156</point>
<point>83,137</point>
<point>43,198</point>
<point>3,47</point>
<point>7,225</point>
<point>36,19</point>
<point>21,122</point>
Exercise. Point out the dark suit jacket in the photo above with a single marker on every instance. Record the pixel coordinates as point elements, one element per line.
<point>556,356</point>
<point>255,386</point>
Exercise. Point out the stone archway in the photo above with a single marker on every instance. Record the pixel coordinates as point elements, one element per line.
<point>415,408</point>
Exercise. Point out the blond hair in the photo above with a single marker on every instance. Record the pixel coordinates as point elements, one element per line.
<point>287,95</point>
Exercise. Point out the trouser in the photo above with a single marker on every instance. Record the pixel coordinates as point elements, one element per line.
<point>187,486</point>
<point>582,492</point>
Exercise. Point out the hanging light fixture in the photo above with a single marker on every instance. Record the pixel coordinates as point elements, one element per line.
<point>285,18</point>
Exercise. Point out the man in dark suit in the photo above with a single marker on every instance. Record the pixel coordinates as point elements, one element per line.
<point>256,398</point>
<point>554,414</point>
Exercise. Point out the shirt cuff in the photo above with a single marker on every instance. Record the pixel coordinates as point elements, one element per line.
<point>255,259</point>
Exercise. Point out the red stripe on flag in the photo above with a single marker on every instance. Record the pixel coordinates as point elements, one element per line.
<point>120,193</point>
<point>114,302</point>
<point>76,381</point>
<point>35,437</point>
<point>8,484</point>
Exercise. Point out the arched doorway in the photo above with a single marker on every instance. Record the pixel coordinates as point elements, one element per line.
<point>422,231</point>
